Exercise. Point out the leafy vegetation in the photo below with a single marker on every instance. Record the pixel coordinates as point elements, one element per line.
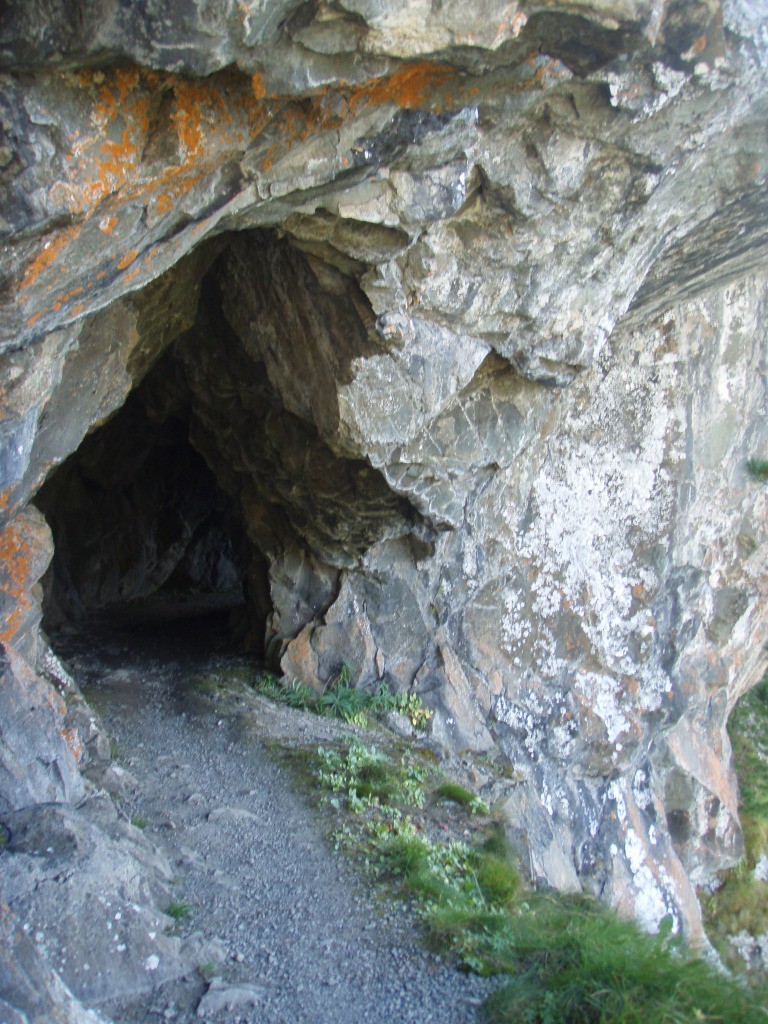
<point>369,777</point>
<point>741,903</point>
<point>340,699</point>
<point>139,821</point>
<point>569,960</point>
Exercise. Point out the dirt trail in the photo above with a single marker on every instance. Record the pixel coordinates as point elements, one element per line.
<point>298,937</point>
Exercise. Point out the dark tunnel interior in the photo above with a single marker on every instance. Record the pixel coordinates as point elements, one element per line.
<point>141,527</point>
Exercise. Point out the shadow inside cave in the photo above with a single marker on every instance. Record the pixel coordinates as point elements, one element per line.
<point>149,550</point>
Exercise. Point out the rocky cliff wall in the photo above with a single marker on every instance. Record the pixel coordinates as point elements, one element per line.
<point>465,310</point>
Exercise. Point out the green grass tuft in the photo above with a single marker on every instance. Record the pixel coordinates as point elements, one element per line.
<point>499,880</point>
<point>139,821</point>
<point>574,962</point>
<point>494,841</point>
<point>406,855</point>
<point>458,794</point>
<point>178,910</point>
<point>758,469</point>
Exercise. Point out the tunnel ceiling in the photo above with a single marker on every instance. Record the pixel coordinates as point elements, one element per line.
<point>464,310</point>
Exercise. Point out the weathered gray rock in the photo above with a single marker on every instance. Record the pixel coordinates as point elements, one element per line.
<point>221,996</point>
<point>86,887</point>
<point>30,992</point>
<point>465,311</point>
<point>38,753</point>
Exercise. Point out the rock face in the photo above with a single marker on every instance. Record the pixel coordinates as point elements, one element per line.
<point>464,307</point>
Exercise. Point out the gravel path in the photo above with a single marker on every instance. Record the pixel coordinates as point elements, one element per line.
<point>297,935</point>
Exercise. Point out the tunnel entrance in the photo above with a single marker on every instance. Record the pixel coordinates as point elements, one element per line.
<point>143,533</point>
<point>225,477</point>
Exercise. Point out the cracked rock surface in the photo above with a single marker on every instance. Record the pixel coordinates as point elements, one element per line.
<point>439,332</point>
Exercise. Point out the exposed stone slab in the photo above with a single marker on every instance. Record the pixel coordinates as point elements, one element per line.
<point>86,874</point>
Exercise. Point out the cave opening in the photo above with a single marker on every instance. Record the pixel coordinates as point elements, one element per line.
<point>144,535</point>
<point>223,483</point>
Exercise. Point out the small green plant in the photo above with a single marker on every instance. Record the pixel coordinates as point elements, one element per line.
<point>458,794</point>
<point>208,970</point>
<point>139,821</point>
<point>408,704</point>
<point>340,699</point>
<point>344,677</point>
<point>344,701</point>
<point>758,469</point>
<point>299,695</point>
<point>411,705</point>
<point>178,910</point>
<point>268,684</point>
<point>367,775</point>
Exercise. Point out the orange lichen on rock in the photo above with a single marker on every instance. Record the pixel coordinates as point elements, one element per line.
<point>105,156</point>
<point>25,551</point>
<point>699,46</point>
<point>128,259</point>
<point>15,579</point>
<point>45,258</point>
<point>107,224</point>
<point>408,87</point>
<point>66,296</point>
<point>107,166</point>
<point>73,741</point>
<point>202,115</point>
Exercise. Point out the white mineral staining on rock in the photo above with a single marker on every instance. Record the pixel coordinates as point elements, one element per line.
<point>753,949</point>
<point>600,694</point>
<point>652,903</point>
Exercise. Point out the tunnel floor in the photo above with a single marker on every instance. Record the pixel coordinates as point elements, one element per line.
<point>166,627</point>
<point>286,923</point>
